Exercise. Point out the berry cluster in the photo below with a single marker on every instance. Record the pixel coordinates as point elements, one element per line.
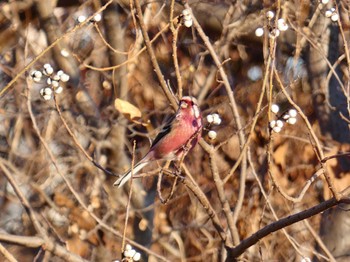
<point>332,14</point>
<point>187,18</point>
<point>130,254</point>
<point>329,13</point>
<point>273,31</point>
<point>213,119</point>
<point>289,117</point>
<point>52,80</point>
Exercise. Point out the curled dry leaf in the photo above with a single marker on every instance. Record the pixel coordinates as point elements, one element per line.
<point>127,109</point>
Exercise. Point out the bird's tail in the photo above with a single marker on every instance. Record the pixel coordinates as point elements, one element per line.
<point>124,178</point>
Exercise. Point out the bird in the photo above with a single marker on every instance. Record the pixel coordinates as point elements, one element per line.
<point>178,136</point>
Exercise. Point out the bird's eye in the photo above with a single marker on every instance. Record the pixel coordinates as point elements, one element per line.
<point>184,104</point>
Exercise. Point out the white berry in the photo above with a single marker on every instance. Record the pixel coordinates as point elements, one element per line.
<point>48,91</point>
<point>335,17</point>
<point>259,32</point>
<point>64,53</point>
<point>64,77</point>
<point>185,12</point>
<point>291,120</point>
<point>59,90</point>
<point>270,15</point>
<point>97,18</point>
<point>276,129</point>
<point>210,118</point>
<point>292,112</point>
<point>216,119</point>
<point>48,70</point>
<point>212,134</point>
<point>325,2</point>
<point>275,108</point>
<point>127,253</point>
<point>37,74</point>
<point>132,252</point>
<point>137,257</point>
<point>47,97</point>
<point>55,83</point>
<point>279,123</point>
<point>282,25</point>
<point>36,79</point>
<point>188,23</point>
<point>329,13</point>
<point>81,18</point>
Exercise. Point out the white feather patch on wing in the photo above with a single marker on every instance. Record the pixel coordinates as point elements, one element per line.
<point>124,178</point>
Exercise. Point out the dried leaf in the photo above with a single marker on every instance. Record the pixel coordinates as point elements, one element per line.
<point>127,109</point>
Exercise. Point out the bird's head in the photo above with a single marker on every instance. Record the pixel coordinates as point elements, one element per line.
<point>189,106</point>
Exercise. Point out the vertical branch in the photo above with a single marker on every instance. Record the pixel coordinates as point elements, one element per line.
<point>115,34</point>
<point>175,32</point>
<point>234,109</point>
<point>166,89</point>
<point>223,200</point>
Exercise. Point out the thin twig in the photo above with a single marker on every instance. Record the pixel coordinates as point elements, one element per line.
<point>191,184</point>
<point>107,44</point>
<point>25,203</point>
<point>319,241</point>
<point>129,197</point>
<point>159,185</point>
<point>7,254</point>
<point>75,140</point>
<point>175,33</point>
<point>223,199</point>
<point>269,204</point>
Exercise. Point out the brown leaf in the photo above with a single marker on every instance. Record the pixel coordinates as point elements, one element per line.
<point>127,109</point>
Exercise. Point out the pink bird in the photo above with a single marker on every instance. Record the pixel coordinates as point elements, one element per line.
<point>176,138</point>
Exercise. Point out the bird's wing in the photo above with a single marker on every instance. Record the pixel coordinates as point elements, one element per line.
<point>165,130</point>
